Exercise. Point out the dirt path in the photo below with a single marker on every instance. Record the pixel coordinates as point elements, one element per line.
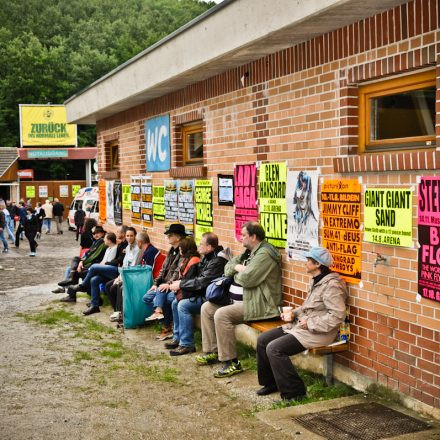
<point>64,376</point>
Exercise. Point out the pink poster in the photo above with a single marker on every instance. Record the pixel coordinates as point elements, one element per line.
<point>429,238</point>
<point>245,196</point>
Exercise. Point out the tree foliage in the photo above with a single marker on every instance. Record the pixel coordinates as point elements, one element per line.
<point>50,50</point>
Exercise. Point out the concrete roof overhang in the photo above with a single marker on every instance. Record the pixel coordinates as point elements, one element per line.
<point>233,33</point>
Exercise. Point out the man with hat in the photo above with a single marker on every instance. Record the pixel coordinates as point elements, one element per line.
<point>315,324</point>
<point>168,274</point>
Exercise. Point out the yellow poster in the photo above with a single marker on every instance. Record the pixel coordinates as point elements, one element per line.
<point>45,125</point>
<point>388,216</point>
<point>102,201</point>
<point>30,192</point>
<point>75,189</point>
<point>126,197</point>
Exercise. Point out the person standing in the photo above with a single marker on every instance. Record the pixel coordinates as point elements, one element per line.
<point>39,212</point>
<point>3,227</point>
<point>21,220</point>
<point>30,226</point>
<point>58,210</point>
<point>78,219</point>
<point>48,211</point>
<point>9,215</point>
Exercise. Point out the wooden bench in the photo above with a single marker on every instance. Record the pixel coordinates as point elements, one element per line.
<point>327,351</point>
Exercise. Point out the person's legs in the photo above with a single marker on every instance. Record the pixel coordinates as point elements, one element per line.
<point>104,271</point>
<point>58,221</point>
<point>3,240</point>
<point>148,298</point>
<point>10,228</point>
<point>119,298</point>
<point>111,292</point>
<point>176,327</point>
<point>32,242</point>
<point>167,312</point>
<point>186,309</point>
<point>48,222</point>
<point>95,291</point>
<point>17,235</point>
<point>209,339</point>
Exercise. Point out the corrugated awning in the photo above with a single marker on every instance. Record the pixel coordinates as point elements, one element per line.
<point>8,156</point>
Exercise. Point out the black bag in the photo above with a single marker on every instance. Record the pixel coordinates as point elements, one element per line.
<point>218,291</point>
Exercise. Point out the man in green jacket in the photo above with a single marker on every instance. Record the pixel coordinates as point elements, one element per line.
<point>255,293</point>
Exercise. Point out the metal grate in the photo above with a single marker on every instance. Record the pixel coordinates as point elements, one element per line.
<point>366,421</point>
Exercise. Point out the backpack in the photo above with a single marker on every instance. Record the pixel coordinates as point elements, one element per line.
<point>218,291</point>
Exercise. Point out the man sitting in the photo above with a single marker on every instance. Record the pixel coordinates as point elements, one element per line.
<point>193,290</point>
<point>256,296</point>
<point>317,323</point>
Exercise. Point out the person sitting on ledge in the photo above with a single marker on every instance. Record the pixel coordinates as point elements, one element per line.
<point>317,323</point>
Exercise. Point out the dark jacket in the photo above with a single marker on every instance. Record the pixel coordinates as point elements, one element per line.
<point>2,220</point>
<point>95,254</point>
<point>120,254</point>
<point>41,214</point>
<point>31,225</point>
<point>58,209</point>
<point>210,267</point>
<point>148,257</point>
<point>13,210</point>
<point>79,217</point>
<point>22,214</point>
<point>86,240</point>
<point>170,268</point>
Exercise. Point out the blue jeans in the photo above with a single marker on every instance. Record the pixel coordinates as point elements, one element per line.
<point>97,274</point>
<point>183,323</point>
<point>47,222</point>
<point>3,239</point>
<point>162,299</point>
<point>10,227</point>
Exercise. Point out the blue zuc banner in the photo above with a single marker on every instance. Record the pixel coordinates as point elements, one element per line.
<point>157,138</point>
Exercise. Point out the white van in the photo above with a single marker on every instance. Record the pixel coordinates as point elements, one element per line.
<point>87,199</point>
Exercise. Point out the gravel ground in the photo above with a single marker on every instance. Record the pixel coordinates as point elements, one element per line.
<point>85,380</point>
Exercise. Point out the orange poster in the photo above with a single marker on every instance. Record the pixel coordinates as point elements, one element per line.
<point>102,201</point>
<point>341,234</point>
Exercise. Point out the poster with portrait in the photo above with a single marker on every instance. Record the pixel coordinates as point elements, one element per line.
<point>126,197</point>
<point>341,231</point>
<point>117,201</point>
<point>225,190</point>
<point>272,202</point>
<point>245,196</point>
<point>203,201</point>
<point>147,202</point>
<point>135,192</point>
<point>171,204</point>
<point>110,202</point>
<point>302,213</point>
<point>429,238</point>
<point>185,199</point>
<point>102,201</point>
<point>158,202</point>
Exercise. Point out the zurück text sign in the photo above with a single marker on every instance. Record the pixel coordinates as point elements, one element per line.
<point>157,137</point>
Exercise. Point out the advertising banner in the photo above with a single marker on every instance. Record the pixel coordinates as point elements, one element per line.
<point>388,216</point>
<point>185,199</point>
<point>110,203</point>
<point>30,192</point>
<point>135,192</point>
<point>102,201</point>
<point>43,191</point>
<point>303,213</point>
<point>245,196</point>
<point>272,202</point>
<point>75,189</point>
<point>170,199</point>
<point>126,197</point>
<point>117,200</point>
<point>204,215</point>
<point>45,125</point>
<point>341,233</point>
<point>157,138</point>
<point>64,190</point>
<point>147,203</point>
<point>429,238</point>
<point>158,202</point>
<point>225,190</point>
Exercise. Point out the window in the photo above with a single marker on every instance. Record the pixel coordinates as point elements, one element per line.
<point>398,113</point>
<point>112,156</point>
<point>192,142</point>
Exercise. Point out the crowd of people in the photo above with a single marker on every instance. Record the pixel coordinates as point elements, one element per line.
<point>19,220</point>
<point>251,283</point>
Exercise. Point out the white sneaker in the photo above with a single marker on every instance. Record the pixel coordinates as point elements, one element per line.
<point>115,317</point>
<point>33,254</point>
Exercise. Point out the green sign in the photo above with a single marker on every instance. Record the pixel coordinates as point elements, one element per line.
<point>75,189</point>
<point>159,202</point>
<point>30,192</point>
<point>44,154</point>
<point>126,197</point>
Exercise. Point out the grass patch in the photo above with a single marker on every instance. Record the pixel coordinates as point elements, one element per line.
<point>155,373</point>
<point>383,393</point>
<point>52,317</point>
<point>247,356</point>
<point>79,356</point>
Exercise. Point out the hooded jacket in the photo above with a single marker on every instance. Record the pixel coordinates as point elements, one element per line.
<point>261,282</point>
<point>324,310</point>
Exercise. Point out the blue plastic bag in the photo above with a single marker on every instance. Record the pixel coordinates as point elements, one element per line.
<point>135,282</point>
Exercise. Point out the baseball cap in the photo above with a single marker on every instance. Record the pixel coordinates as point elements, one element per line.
<point>321,255</point>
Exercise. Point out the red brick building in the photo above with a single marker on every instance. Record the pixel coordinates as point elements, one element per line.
<point>289,84</point>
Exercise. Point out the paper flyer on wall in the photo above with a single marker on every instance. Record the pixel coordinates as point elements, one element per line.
<point>102,200</point>
<point>126,197</point>
<point>302,213</point>
<point>170,199</point>
<point>225,189</point>
<point>158,202</point>
<point>203,201</point>
<point>429,238</point>
<point>147,202</point>
<point>185,189</point>
<point>117,201</point>
<point>135,191</point>
<point>245,196</point>
<point>341,231</point>
<point>110,202</point>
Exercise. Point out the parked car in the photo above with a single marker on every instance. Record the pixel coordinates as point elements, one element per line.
<point>88,199</point>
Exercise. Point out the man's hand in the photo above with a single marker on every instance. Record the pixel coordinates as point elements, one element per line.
<point>303,324</point>
<point>117,280</point>
<point>153,288</point>
<point>240,267</point>
<point>165,287</point>
<point>80,267</point>
<point>175,286</point>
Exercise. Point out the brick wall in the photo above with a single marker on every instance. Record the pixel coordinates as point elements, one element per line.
<point>300,106</point>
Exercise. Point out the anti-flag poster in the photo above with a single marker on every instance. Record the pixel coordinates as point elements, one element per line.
<point>126,197</point>
<point>341,233</point>
<point>147,202</point>
<point>272,202</point>
<point>102,200</point>
<point>203,200</point>
<point>429,238</point>
<point>303,213</point>
<point>170,198</point>
<point>158,202</point>
<point>388,216</point>
<point>245,196</point>
<point>110,202</point>
<point>117,201</point>
<point>135,191</point>
<point>185,199</point>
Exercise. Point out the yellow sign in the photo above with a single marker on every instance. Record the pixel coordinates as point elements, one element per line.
<point>75,189</point>
<point>30,192</point>
<point>45,125</point>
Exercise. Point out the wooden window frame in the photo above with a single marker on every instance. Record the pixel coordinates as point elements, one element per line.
<point>112,147</point>
<point>187,130</point>
<point>389,87</point>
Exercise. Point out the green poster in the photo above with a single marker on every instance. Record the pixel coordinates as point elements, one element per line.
<point>126,197</point>
<point>272,202</point>
<point>75,189</point>
<point>30,192</point>
<point>158,202</point>
<point>388,216</point>
<point>203,201</point>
